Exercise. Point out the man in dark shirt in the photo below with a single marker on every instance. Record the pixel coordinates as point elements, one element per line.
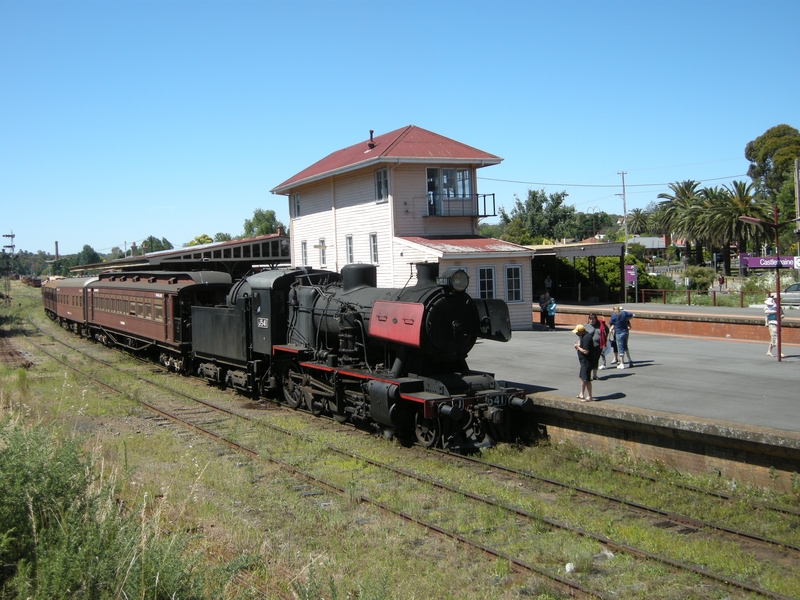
<point>584,348</point>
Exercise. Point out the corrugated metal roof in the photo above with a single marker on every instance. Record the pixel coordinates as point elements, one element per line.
<point>466,245</point>
<point>409,144</point>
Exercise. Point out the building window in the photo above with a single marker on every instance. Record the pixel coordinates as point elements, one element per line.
<point>322,259</point>
<point>348,244</point>
<point>486,282</point>
<point>513,283</point>
<point>449,192</point>
<point>303,253</point>
<point>382,185</point>
<point>295,205</point>
<point>373,248</point>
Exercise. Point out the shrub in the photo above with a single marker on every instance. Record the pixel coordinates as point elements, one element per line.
<point>66,536</point>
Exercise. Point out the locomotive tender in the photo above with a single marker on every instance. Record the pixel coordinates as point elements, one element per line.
<point>332,344</point>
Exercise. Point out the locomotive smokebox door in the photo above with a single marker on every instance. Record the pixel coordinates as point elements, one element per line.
<point>495,322</point>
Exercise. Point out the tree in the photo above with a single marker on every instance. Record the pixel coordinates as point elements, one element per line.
<point>262,223</point>
<point>739,200</point>
<point>222,237</point>
<point>771,157</point>
<point>200,240</point>
<point>87,256</point>
<point>153,244</point>
<point>637,221</point>
<point>677,216</point>
<point>542,217</point>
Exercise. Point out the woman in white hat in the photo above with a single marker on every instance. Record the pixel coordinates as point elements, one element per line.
<point>771,321</point>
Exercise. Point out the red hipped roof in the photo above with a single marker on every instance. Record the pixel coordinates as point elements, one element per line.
<point>408,144</point>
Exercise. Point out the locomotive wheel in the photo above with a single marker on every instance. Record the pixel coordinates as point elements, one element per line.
<point>292,390</point>
<point>427,431</point>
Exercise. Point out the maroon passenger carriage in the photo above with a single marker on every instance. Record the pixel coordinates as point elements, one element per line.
<point>143,311</point>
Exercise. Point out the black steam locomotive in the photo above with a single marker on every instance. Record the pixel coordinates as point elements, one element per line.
<point>338,345</point>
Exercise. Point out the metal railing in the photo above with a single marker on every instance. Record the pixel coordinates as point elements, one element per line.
<point>468,205</point>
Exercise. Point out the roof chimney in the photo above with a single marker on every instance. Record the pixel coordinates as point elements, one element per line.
<point>371,142</point>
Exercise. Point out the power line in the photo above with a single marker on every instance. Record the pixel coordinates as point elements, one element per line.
<point>592,185</point>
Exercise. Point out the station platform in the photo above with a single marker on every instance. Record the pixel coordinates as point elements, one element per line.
<point>705,321</point>
<point>701,402</point>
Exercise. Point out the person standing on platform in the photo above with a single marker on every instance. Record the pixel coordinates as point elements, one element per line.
<point>584,348</point>
<point>544,300</point>
<point>551,314</point>
<point>620,325</point>
<point>595,327</point>
<point>548,283</point>
<point>771,321</point>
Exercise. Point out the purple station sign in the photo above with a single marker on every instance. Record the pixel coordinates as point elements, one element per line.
<point>630,274</point>
<point>768,262</point>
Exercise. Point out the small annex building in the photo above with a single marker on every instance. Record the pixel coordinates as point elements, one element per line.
<point>403,197</point>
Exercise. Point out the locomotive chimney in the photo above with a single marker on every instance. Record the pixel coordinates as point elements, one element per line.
<point>427,273</point>
<point>371,142</point>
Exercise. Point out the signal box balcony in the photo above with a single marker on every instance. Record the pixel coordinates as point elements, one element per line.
<point>468,205</point>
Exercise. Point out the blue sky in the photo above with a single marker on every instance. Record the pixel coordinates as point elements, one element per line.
<point>124,119</point>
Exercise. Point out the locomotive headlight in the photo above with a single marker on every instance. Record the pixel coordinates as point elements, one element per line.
<point>454,277</point>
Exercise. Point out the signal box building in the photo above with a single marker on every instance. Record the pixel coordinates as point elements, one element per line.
<point>400,198</point>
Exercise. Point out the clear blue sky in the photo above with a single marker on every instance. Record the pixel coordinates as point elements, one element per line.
<point>124,119</point>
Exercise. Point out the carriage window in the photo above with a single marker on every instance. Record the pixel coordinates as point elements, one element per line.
<point>148,310</point>
<point>139,307</point>
<point>158,310</point>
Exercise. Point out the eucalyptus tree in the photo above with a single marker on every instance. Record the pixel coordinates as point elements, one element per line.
<point>677,218</point>
<point>771,157</point>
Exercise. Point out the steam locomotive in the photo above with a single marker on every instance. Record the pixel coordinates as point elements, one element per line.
<point>333,344</point>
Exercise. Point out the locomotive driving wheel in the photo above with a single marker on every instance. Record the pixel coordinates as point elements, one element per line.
<point>427,431</point>
<point>292,385</point>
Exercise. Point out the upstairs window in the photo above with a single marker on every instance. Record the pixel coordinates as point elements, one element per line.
<point>446,186</point>
<point>382,185</point>
<point>295,205</point>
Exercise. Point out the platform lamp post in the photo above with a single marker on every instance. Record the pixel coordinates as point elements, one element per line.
<point>775,225</point>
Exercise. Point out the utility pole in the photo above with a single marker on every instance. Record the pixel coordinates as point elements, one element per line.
<point>797,205</point>
<point>6,266</point>
<point>624,210</point>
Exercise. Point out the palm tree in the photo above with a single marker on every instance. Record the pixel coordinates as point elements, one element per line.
<point>637,221</point>
<point>676,205</point>
<point>743,202</point>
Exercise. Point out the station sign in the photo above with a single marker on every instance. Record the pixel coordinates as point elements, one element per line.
<point>630,275</point>
<point>770,262</point>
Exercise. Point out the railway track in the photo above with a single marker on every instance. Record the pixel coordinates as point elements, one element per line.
<point>506,527</point>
